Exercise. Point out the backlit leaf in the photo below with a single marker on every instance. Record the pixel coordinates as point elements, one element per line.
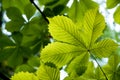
<point>24,76</point>
<point>48,73</point>
<point>112,3</point>
<point>59,53</point>
<point>104,48</point>
<point>117,15</point>
<point>64,30</point>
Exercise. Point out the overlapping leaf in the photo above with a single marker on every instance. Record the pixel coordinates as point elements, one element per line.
<point>48,73</point>
<point>24,76</point>
<point>112,69</point>
<point>78,9</point>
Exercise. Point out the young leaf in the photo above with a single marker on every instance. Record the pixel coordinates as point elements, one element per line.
<point>24,76</point>
<point>48,73</point>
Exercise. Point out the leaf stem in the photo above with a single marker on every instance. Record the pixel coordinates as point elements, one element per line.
<point>32,1</point>
<point>99,66</point>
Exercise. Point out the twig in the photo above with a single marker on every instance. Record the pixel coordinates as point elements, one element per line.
<point>32,1</point>
<point>99,66</point>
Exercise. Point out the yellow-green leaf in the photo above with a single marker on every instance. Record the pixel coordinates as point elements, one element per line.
<point>117,15</point>
<point>104,48</point>
<point>24,76</point>
<point>112,3</point>
<point>48,73</point>
<point>60,53</point>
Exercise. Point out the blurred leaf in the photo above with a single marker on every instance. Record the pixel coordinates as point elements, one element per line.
<point>47,2</point>
<point>78,9</point>
<point>5,41</point>
<point>17,16</point>
<point>17,20</point>
<point>6,53</point>
<point>54,7</point>
<point>15,58</point>
<point>57,9</point>
<point>117,15</point>
<point>24,68</point>
<point>48,73</point>
<point>34,61</point>
<point>112,3</point>
<point>29,10</point>
<point>17,36</point>
<point>14,25</point>
<point>15,3</point>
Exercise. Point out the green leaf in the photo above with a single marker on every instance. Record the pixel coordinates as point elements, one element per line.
<point>112,68</point>
<point>116,15</point>
<point>14,25</point>
<point>15,3</point>
<point>94,25</point>
<point>48,73</point>
<point>17,37</point>
<point>34,61</point>
<point>64,30</point>
<point>59,53</point>
<point>17,55</point>
<point>112,3</point>
<point>15,58</point>
<point>24,76</point>
<point>78,9</point>
<point>17,16</point>
<point>17,20</point>
<point>29,10</point>
<point>24,67</point>
<point>104,48</point>
<point>89,73</point>
<point>78,65</point>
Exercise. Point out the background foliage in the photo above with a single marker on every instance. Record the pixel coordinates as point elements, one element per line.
<point>76,37</point>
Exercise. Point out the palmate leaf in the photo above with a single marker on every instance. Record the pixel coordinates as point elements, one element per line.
<point>72,41</point>
<point>48,73</point>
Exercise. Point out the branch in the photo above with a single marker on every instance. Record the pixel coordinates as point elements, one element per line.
<point>99,66</point>
<point>32,1</point>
